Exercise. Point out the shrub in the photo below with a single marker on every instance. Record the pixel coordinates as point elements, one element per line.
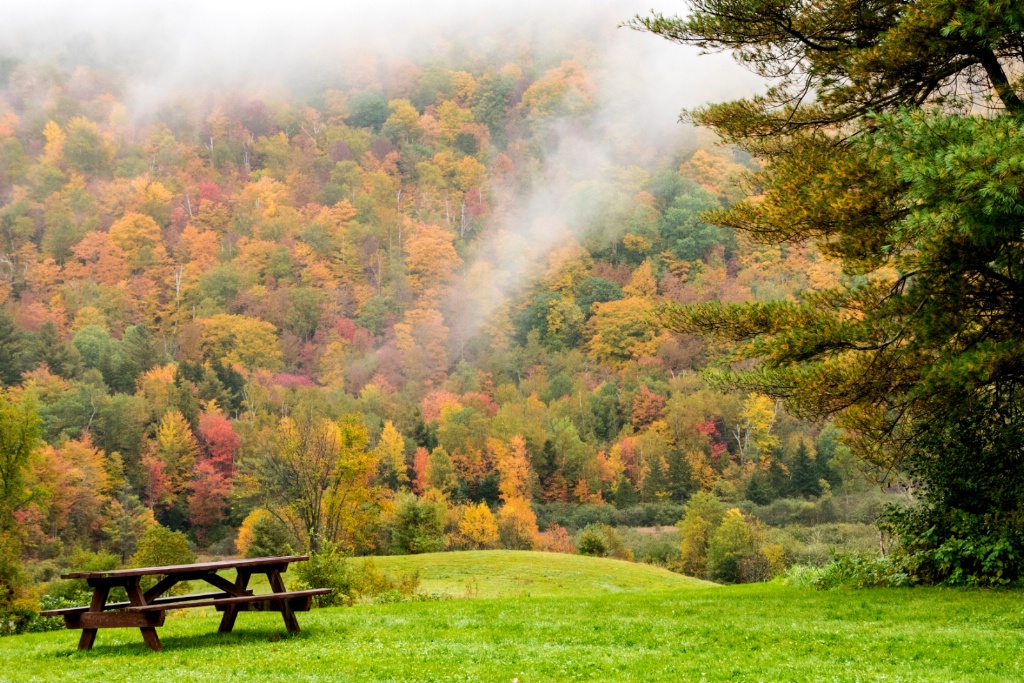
<point>263,535</point>
<point>517,525</point>
<point>850,571</point>
<point>161,547</point>
<point>738,552</point>
<point>330,568</point>
<point>653,546</point>
<point>953,547</point>
<point>557,540</point>
<point>816,545</point>
<point>579,516</point>
<point>419,526</point>
<point>601,540</point>
<point>591,542</point>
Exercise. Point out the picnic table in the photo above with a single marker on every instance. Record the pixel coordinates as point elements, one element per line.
<point>146,610</point>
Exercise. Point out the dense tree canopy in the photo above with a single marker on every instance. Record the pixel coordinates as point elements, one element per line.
<point>877,151</point>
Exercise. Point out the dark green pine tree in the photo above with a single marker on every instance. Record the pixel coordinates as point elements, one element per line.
<point>760,489</point>
<point>11,345</point>
<point>804,474</point>
<point>59,356</point>
<point>680,477</point>
<point>625,495</point>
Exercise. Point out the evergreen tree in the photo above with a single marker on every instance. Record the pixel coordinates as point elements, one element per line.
<point>805,474</point>
<point>760,489</point>
<point>48,348</point>
<point>11,345</point>
<point>888,172</point>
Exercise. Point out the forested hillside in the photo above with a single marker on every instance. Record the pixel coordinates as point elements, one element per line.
<point>292,313</point>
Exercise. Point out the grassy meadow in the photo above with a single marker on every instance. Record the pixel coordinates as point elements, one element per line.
<point>540,617</point>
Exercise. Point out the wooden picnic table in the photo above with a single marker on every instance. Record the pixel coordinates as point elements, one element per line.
<point>146,610</point>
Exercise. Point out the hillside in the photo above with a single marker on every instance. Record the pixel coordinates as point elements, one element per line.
<point>518,573</point>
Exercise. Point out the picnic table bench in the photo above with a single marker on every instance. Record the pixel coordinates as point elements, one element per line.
<point>146,610</point>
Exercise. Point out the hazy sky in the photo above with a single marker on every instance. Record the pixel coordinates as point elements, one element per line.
<point>172,44</point>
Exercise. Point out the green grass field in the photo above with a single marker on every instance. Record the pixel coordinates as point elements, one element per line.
<point>522,574</point>
<point>584,620</point>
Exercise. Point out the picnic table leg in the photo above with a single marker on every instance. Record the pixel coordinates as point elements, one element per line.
<point>277,585</point>
<point>99,599</point>
<point>136,598</point>
<point>227,622</point>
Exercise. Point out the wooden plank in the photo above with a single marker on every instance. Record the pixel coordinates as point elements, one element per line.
<point>95,620</point>
<point>300,604</point>
<point>156,601</point>
<point>227,622</point>
<point>137,599</point>
<point>162,586</point>
<point>277,585</point>
<point>185,568</point>
<point>232,601</point>
<point>99,599</point>
<point>223,584</point>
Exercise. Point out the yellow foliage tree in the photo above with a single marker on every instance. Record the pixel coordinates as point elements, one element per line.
<point>390,454</point>
<point>517,525</point>
<point>138,235</point>
<point>177,449</point>
<point>241,340</point>
<point>513,465</point>
<point>478,526</point>
<point>621,331</point>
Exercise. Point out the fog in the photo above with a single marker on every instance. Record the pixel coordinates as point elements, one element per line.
<point>164,49</point>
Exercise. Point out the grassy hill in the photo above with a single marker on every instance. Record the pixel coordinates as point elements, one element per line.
<point>613,631</point>
<point>519,573</point>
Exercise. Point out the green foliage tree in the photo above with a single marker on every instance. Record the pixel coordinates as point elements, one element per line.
<point>704,513</point>
<point>161,547</point>
<point>418,527</point>
<point>19,437</point>
<point>270,538</point>
<point>11,344</point>
<point>731,541</point>
<point>888,171</point>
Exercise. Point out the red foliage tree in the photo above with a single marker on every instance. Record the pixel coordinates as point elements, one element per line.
<point>219,441</point>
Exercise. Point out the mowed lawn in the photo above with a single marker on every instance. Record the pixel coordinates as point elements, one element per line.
<point>669,632</point>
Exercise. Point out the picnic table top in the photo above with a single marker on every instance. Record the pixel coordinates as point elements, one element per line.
<point>185,568</point>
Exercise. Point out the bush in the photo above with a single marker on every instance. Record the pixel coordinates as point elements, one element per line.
<point>601,540</point>
<point>591,542</point>
<point>351,581</point>
<point>653,546</point>
<point>557,540</point>
<point>161,547</point>
<point>956,548</point>
<point>817,545</point>
<point>263,535</point>
<point>418,527</point>
<point>850,571</point>
<point>573,516</point>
